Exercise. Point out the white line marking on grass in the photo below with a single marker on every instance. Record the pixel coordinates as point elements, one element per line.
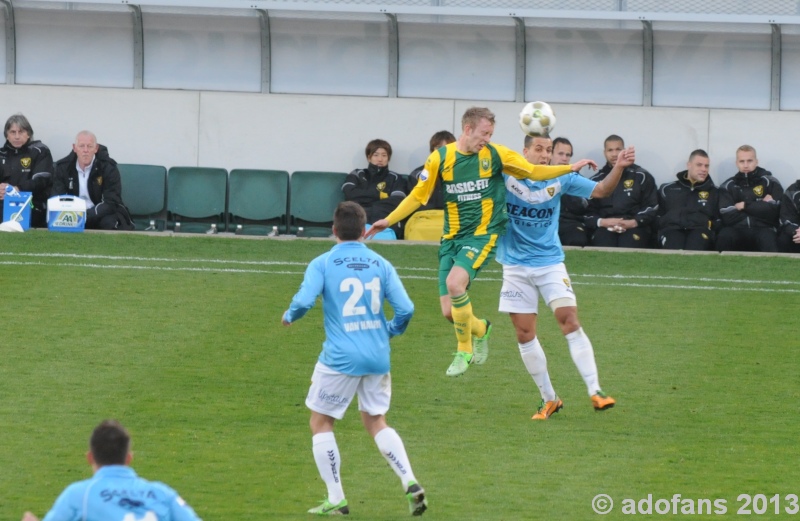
<point>153,268</point>
<point>415,277</point>
<point>688,279</point>
<point>163,259</point>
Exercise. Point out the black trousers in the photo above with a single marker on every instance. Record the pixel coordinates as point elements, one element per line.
<point>573,233</point>
<point>747,239</point>
<point>638,237</point>
<point>787,245</point>
<point>697,240</point>
<point>101,217</point>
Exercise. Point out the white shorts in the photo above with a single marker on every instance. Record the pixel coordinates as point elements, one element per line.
<point>522,286</point>
<point>331,392</point>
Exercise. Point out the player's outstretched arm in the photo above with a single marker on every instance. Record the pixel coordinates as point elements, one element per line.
<point>606,187</point>
<point>376,227</point>
<point>406,207</point>
<point>576,167</point>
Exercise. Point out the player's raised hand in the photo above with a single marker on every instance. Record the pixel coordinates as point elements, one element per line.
<point>576,167</point>
<point>627,157</point>
<point>377,226</point>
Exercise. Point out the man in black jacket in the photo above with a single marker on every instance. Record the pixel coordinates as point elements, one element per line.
<point>89,173</point>
<point>27,165</point>
<point>571,226</point>
<point>624,218</point>
<point>688,207</point>
<point>376,188</point>
<point>749,204</point>
<point>789,233</point>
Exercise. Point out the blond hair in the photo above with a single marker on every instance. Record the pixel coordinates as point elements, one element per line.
<point>474,115</point>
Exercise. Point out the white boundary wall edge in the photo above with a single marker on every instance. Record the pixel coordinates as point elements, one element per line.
<point>302,132</point>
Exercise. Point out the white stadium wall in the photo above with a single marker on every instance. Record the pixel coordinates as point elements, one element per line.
<point>315,132</point>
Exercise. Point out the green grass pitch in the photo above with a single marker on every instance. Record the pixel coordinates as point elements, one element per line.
<point>180,339</point>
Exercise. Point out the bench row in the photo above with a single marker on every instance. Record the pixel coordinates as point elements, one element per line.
<point>255,202</point>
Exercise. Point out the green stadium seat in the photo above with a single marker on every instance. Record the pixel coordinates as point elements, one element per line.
<point>196,198</point>
<point>313,198</point>
<point>257,201</point>
<point>144,192</point>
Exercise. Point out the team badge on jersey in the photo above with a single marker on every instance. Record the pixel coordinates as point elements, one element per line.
<point>551,190</point>
<point>566,282</point>
<point>702,195</point>
<point>758,190</point>
<point>636,237</point>
<point>486,167</point>
<point>25,162</point>
<point>100,181</point>
<point>423,176</point>
<point>628,183</point>
<point>381,186</point>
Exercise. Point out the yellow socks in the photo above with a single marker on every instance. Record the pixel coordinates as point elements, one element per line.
<point>464,322</point>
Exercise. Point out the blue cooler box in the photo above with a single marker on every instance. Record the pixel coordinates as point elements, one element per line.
<point>13,204</point>
<point>66,213</point>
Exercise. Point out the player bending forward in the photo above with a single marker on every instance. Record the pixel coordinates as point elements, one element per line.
<point>354,281</point>
<point>532,259</point>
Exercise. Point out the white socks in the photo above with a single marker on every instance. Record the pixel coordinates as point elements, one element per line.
<point>536,363</point>
<point>326,455</point>
<point>580,348</point>
<point>393,450</point>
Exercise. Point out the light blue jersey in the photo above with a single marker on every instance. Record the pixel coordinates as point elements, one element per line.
<point>116,493</point>
<point>531,237</point>
<point>354,281</point>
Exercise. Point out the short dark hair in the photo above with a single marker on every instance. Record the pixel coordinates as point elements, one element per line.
<point>613,137</point>
<point>562,140</point>
<point>529,139</point>
<point>442,135</point>
<point>349,220</point>
<point>110,443</point>
<point>375,144</point>
<point>20,121</point>
<point>699,152</point>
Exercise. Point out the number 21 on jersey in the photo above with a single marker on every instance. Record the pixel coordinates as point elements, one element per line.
<point>356,289</point>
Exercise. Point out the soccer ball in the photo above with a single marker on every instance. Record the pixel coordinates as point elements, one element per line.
<point>537,119</point>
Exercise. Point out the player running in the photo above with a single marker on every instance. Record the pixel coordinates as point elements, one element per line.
<point>475,217</point>
<point>532,259</point>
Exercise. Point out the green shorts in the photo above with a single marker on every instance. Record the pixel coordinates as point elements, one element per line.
<point>471,253</point>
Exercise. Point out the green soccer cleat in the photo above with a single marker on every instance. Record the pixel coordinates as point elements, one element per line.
<point>460,364</point>
<point>480,346</point>
<point>417,504</point>
<point>329,509</point>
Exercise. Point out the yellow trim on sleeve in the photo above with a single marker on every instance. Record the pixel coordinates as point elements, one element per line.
<point>406,207</point>
<point>420,194</point>
<point>515,165</point>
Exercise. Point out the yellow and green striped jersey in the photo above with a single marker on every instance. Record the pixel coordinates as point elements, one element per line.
<point>473,185</point>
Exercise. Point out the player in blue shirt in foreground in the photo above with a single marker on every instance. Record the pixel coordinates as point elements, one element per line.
<point>115,492</point>
<point>354,281</point>
<point>533,265</point>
